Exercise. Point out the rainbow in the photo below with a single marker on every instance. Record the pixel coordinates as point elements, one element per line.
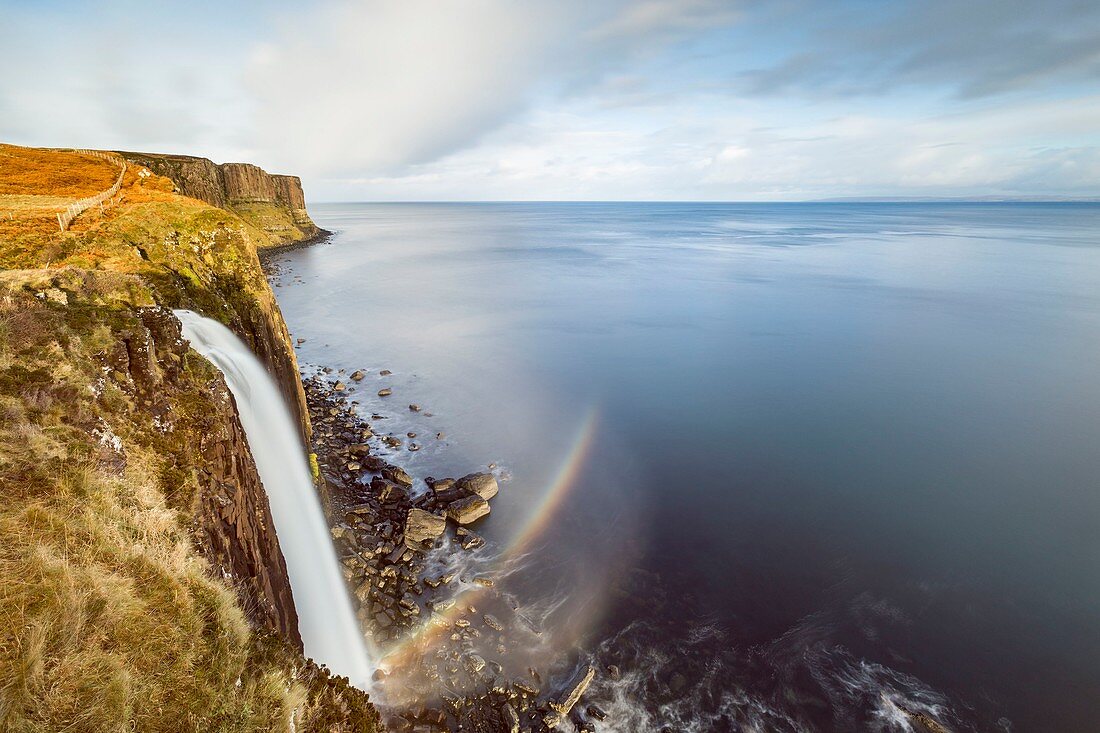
<point>548,506</point>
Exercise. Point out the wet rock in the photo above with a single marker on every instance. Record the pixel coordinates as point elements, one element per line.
<point>510,717</point>
<point>468,509</point>
<point>397,475</point>
<point>596,712</point>
<point>468,539</point>
<point>482,484</point>
<point>385,392</point>
<point>387,491</point>
<point>358,375</point>
<point>561,707</point>
<point>492,622</point>
<point>414,447</point>
<point>527,686</point>
<point>483,581</point>
<point>414,407</point>
<point>422,526</point>
<point>385,373</point>
<point>339,386</point>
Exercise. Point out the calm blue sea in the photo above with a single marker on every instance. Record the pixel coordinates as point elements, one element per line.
<point>798,466</point>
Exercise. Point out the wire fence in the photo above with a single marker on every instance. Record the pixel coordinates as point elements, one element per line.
<point>75,209</point>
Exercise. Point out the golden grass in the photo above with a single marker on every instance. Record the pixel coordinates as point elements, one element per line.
<point>110,620</point>
<point>36,171</point>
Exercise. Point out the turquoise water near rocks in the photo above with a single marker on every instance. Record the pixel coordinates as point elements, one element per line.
<point>811,464</point>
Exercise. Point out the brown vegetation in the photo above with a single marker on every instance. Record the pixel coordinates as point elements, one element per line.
<point>111,615</point>
<point>37,171</point>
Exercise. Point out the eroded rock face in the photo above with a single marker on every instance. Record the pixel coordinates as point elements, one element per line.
<point>231,184</point>
<point>247,183</point>
<point>199,178</point>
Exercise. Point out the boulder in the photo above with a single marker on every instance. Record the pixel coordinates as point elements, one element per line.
<point>397,475</point>
<point>468,509</point>
<point>358,375</point>
<point>482,484</point>
<point>385,392</point>
<point>422,526</point>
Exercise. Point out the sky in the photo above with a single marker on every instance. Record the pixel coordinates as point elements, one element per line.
<point>576,99</point>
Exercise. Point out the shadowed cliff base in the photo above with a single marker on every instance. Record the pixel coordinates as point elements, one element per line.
<point>142,585</point>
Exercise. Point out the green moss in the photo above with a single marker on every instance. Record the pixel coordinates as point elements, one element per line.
<point>109,618</point>
<point>314,468</point>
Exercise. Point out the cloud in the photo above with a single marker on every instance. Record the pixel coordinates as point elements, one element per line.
<point>975,49</point>
<point>120,75</point>
<point>378,85</point>
<point>753,151</point>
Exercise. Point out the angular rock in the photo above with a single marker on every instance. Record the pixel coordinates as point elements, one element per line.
<point>511,718</point>
<point>576,688</point>
<point>468,539</point>
<point>358,375</point>
<point>422,526</point>
<point>468,509</point>
<point>397,475</point>
<point>482,484</point>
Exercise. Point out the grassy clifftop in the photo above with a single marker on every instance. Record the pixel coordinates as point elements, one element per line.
<point>141,582</point>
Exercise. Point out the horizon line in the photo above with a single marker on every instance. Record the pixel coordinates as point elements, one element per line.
<point>1038,199</point>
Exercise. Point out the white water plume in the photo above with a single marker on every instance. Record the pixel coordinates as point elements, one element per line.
<point>330,632</point>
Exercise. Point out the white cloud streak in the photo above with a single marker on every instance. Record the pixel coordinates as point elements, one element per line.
<point>376,85</point>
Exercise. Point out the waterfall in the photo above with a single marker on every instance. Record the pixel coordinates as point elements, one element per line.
<point>330,632</point>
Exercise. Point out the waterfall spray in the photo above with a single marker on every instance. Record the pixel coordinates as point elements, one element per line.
<point>330,632</point>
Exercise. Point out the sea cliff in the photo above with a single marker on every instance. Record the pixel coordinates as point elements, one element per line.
<point>275,204</point>
<point>142,585</point>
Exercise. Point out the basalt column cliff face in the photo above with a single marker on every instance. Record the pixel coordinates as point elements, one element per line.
<point>273,203</point>
<point>142,583</point>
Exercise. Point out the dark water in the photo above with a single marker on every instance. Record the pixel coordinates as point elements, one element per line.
<point>842,459</point>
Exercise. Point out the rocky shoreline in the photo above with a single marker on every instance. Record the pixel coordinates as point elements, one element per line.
<point>410,555</point>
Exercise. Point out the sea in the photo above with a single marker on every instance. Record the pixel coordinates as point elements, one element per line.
<point>766,466</point>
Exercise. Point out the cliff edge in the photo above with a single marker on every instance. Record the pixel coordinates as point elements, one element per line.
<point>142,585</point>
<point>275,204</point>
